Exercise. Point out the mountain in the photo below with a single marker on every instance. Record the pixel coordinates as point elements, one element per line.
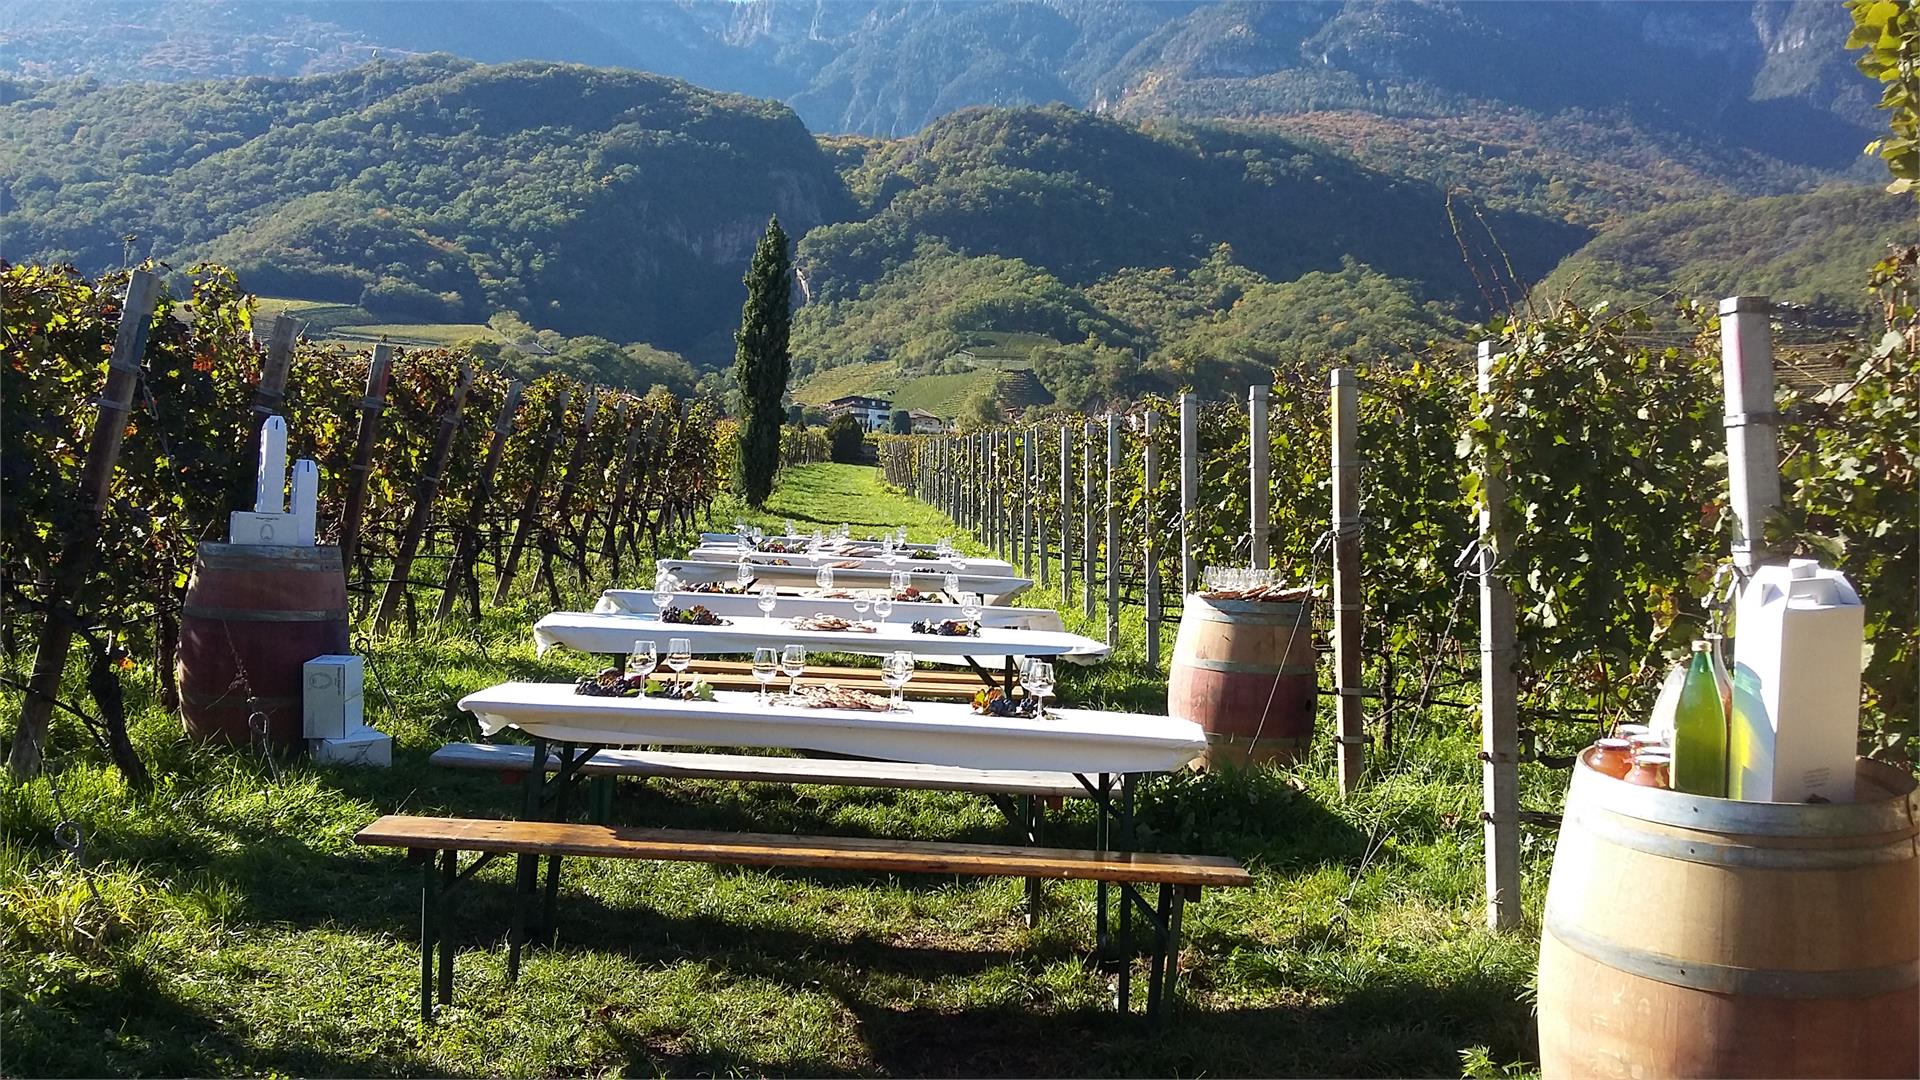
<point>590,201</point>
<point>1765,75</point>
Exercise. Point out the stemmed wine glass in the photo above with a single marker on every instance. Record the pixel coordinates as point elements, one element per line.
<point>823,577</point>
<point>642,661</point>
<point>663,589</point>
<point>743,574</point>
<point>766,664</point>
<point>793,662</point>
<point>883,606</point>
<point>895,670</point>
<point>970,606</point>
<point>679,655</point>
<point>862,600</point>
<point>766,600</point>
<point>951,583</point>
<point>1040,683</point>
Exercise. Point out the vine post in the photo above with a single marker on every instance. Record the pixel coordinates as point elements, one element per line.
<point>563,500</point>
<point>1149,537</point>
<point>530,509</point>
<point>1086,521</point>
<point>268,397</point>
<point>1259,470</point>
<point>1499,683</point>
<point>423,495</point>
<point>371,406</point>
<point>1348,613</point>
<point>77,553</point>
<point>1753,446</point>
<point>1066,509</point>
<point>1030,458</point>
<point>1189,486</point>
<point>467,545</point>
<point>1010,536</point>
<point>1113,533</point>
<point>996,539</point>
<point>636,423</point>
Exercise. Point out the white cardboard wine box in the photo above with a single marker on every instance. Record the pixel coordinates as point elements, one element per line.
<point>1795,727</point>
<point>361,746</point>
<point>331,701</point>
<point>254,527</point>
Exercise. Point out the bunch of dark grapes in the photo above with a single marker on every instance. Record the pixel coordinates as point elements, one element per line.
<point>947,628</point>
<point>697,615</point>
<point>611,682</point>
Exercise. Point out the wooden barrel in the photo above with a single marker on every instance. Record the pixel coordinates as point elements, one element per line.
<point>1244,671</point>
<point>1688,936</point>
<point>253,616</point>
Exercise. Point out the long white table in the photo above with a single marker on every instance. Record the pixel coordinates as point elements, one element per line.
<point>806,602</point>
<point>933,733</point>
<point>728,553</point>
<point>997,587</point>
<point>615,634</point>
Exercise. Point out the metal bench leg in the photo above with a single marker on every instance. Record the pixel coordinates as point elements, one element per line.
<point>1102,832</point>
<point>1175,903</point>
<point>449,863</point>
<point>1127,948</point>
<point>600,799</point>
<point>525,869</point>
<point>1157,966</point>
<point>429,918</point>
<point>1030,807</point>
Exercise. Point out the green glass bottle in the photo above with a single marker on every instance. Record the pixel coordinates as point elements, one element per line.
<point>1700,729</point>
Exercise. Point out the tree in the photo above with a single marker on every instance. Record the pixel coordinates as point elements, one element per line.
<point>844,438</point>
<point>1889,32</point>
<point>761,363</point>
<point>902,422</point>
<point>796,415</point>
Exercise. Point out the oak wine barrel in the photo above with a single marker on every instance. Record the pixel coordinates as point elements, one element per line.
<point>254,615</point>
<point>1244,671</point>
<point>1687,936</point>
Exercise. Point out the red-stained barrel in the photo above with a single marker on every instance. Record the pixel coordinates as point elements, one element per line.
<point>254,615</point>
<point>1244,671</point>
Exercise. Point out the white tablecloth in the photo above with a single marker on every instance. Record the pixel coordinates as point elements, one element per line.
<point>932,733</point>
<point>731,554</point>
<point>615,634</point>
<point>999,587</point>
<point>640,602</point>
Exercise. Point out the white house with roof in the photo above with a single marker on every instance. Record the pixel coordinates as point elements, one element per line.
<point>873,413</point>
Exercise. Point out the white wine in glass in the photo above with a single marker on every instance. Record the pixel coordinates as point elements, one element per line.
<point>766,665</point>
<point>793,663</point>
<point>679,655</point>
<point>643,659</point>
<point>883,606</point>
<point>895,671</point>
<point>766,600</point>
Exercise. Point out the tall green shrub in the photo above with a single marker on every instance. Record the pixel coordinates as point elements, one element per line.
<point>761,363</point>
<point>846,437</point>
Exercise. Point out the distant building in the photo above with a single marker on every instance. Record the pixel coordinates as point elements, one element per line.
<point>926,423</point>
<point>874,414</point>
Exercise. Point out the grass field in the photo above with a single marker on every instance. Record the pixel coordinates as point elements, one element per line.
<point>346,322</point>
<point>237,931</point>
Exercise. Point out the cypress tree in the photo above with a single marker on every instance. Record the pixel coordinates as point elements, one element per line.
<point>761,363</point>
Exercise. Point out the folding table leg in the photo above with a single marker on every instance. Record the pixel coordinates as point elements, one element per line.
<point>429,916</point>
<point>1030,807</point>
<point>1102,832</point>
<point>1126,909</point>
<point>1157,966</point>
<point>449,863</point>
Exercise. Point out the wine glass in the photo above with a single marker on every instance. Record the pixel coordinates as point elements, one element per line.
<point>766,664</point>
<point>970,606</point>
<point>766,600</point>
<point>642,661</point>
<point>823,577</point>
<point>793,662</point>
<point>743,574</point>
<point>895,670</point>
<point>960,561</point>
<point>862,600</point>
<point>679,655</point>
<point>883,606</point>
<point>663,585</point>
<point>899,581</point>
<point>951,583</point>
<point>791,531</point>
<point>1040,683</point>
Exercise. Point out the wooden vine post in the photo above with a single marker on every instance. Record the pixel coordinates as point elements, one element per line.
<point>466,547</point>
<point>371,405</point>
<point>1259,476</point>
<point>1150,537</point>
<point>1348,611</point>
<point>77,552</point>
<point>424,492</point>
<point>530,507</point>
<point>563,501</point>
<point>1086,521</point>
<point>1753,447</point>
<point>1066,510</point>
<point>1113,533</point>
<point>1499,685</point>
<point>1189,488</point>
<point>268,397</point>
<point>1008,516</point>
<point>636,421</point>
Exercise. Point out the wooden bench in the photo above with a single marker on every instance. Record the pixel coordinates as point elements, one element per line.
<point>950,684</point>
<point>437,842</point>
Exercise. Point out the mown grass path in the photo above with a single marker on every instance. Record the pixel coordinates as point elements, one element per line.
<point>237,931</point>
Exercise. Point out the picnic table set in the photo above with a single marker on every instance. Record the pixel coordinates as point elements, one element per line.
<point>1004,743</point>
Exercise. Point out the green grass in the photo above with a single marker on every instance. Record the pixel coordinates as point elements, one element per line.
<point>238,931</point>
<point>346,322</point>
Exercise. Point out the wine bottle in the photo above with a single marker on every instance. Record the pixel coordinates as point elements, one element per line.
<point>1700,729</point>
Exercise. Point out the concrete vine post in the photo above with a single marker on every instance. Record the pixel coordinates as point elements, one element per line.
<point>1499,685</point>
<point>1348,611</point>
<point>1066,510</point>
<point>1259,476</point>
<point>1113,533</point>
<point>1150,537</point>
<point>1189,488</point>
<point>1086,521</point>
<point>1753,446</point>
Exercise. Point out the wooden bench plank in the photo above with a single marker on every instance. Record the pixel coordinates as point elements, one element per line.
<point>866,854</point>
<point>769,770</point>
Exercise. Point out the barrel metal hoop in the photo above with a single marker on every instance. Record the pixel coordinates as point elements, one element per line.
<point>224,614</point>
<point>1243,667</point>
<point>237,700</point>
<point>1726,979</point>
<point>1892,815</point>
<point>1619,831</point>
